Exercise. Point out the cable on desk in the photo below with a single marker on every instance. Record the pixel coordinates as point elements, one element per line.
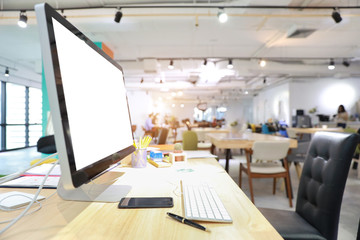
<point>14,209</point>
<point>15,220</point>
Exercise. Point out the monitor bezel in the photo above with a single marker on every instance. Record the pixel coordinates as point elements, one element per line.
<point>57,102</point>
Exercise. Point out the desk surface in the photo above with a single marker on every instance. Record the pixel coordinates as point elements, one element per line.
<point>80,220</point>
<point>314,130</point>
<point>244,140</point>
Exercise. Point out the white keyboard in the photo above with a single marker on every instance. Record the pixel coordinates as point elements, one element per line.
<point>202,203</point>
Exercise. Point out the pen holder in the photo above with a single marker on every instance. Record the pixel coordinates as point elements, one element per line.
<point>139,158</point>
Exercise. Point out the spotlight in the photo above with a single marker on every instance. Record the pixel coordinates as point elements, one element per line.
<point>346,63</point>
<point>336,15</point>
<point>22,19</point>
<point>222,16</point>
<point>230,65</point>
<point>171,65</point>
<point>262,63</point>
<point>62,13</point>
<point>118,16</point>
<point>205,62</point>
<point>331,65</point>
<point>7,73</point>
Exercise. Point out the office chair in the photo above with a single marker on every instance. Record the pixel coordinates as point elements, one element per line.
<point>267,154</point>
<point>163,134</point>
<point>303,121</point>
<point>46,144</point>
<point>190,142</point>
<point>320,191</point>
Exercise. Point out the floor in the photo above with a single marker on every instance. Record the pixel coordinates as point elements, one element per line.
<point>350,210</point>
<point>14,161</point>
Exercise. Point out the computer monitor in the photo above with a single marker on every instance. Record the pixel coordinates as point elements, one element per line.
<point>89,108</point>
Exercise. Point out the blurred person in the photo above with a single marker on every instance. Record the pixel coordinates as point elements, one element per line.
<point>341,117</point>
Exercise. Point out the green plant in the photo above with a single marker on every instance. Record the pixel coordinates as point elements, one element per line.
<point>313,110</point>
<point>178,147</point>
<point>234,124</point>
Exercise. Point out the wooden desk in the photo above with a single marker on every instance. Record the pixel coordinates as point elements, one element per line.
<point>202,132</point>
<point>59,219</point>
<point>242,141</point>
<point>314,130</point>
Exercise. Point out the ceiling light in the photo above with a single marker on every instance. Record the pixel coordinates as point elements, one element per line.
<point>346,63</point>
<point>222,16</point>
<point>262,63</point>
<point>171,65</point>
<point>22,19</point>
<point>62,13</point>
<point>336,15</point>
<point>205,62</point>
<point>182,105</point>
<point>230,65</point>
<point>118,16</point>
<point>331,65</point>
<point>7,73</point>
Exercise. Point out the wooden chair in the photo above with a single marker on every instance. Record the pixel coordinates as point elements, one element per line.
<point>268,155</point>
<point>163,134</point>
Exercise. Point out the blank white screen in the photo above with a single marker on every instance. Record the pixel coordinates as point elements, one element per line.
<point>95,99</point>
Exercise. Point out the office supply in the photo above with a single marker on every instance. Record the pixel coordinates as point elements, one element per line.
<point>32,182</point>
<point>146,202</point>
<point>156,155</point>
<point>44,169</point>
<point>139,158</point>
<point>159,164</point>
<point>14,199</point>
<point>202,203</point>
<point>187,221</point>
<point>199,154</point>
<point>72,62</point>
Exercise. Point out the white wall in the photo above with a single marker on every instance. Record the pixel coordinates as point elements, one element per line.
<point>326,95</point>
<point>272,103</point>
<point>240,111</point>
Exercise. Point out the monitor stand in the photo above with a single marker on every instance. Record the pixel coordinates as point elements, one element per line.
<point>92,192</point>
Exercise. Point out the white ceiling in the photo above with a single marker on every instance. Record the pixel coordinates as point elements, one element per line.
<point>147,38</point>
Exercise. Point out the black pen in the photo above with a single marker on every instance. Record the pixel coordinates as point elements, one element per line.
<point>186,221</point>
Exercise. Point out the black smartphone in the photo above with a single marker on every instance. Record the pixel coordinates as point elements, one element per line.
<point>146,202</point>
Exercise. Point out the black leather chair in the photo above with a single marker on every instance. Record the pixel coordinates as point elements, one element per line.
<point>46,144</point>
<point>320,191</point>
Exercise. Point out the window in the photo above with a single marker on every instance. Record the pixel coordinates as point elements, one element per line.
<point>20,116</point>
